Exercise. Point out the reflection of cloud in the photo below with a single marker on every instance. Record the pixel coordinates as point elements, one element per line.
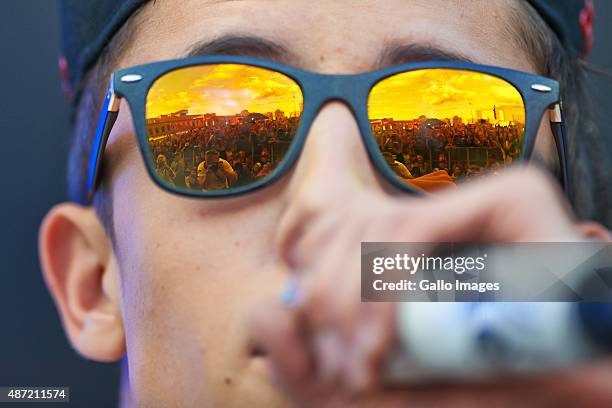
<point>216,75</point>
<point>225,89</point>
<point>440,93</point>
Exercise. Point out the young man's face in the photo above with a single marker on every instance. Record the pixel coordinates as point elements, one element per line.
<point>190,270</point>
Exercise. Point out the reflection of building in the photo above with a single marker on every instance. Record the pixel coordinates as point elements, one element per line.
<point>175,123</point>
<point>509,113</point>
<point>232,119</point>
<point>390,124</point>
<point>180,121</point>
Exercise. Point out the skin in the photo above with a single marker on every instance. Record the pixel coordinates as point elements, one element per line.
<point>189,286</point>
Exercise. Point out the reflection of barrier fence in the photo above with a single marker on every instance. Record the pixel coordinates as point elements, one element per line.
<point>278,150</point>
<point>193,155</point>
<point>472,156</point>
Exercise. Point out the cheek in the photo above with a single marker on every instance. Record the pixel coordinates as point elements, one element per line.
<point>191,271</point>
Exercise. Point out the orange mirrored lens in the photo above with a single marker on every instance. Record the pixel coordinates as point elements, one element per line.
<point>438,127</point>
<point>222,126</point>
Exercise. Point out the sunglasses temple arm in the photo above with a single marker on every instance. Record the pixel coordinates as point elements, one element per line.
<point>558,129</point>
<point>110,111</point>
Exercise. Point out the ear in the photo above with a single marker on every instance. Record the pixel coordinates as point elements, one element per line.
<point>81,272</point>
<point>594,230</point>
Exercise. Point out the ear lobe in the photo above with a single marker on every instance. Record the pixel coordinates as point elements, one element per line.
<point>81,272</point>
<point>594,230</point>
<point>101,337</point>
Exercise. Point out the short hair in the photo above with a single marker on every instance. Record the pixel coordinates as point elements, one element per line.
<point>588,164</point>
<point>87,111</point>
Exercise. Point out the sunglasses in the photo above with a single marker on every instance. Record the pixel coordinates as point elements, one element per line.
<point>218,126</point>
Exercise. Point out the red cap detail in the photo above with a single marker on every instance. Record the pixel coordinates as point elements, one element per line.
<point>62,64</point>
<point>587,16</point>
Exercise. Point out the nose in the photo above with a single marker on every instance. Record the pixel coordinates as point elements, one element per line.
<point>332,170</point>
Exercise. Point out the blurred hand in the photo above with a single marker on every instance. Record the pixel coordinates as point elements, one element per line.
<point>330,349</point>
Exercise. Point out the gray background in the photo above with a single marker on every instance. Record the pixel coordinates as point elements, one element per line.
<point>34,129</point>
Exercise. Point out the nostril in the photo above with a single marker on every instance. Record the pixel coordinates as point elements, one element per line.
<point>256,349</point>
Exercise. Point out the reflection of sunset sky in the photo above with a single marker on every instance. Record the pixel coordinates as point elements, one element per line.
<point>223,89</point>
<point>441,93</point>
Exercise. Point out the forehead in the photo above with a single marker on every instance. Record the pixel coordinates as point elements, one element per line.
<point>340,36</point>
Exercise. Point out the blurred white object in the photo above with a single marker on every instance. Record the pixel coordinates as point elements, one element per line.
<point>479,341</point>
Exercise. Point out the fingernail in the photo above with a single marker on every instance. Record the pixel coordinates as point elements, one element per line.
<point>291,296</point>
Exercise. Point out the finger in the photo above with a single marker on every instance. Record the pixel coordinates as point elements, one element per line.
<point>333,288</point>
<point>593,230</point>
<point>329,308</point>
<point>520,205</point>
<point>351,338</point>
<point>374,338</point>
<point>329,355</point>
<point>330,298</point>
<point>332,282</point>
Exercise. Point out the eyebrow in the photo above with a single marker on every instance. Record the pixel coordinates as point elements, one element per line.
<point>244,45</point>
<point>394,54</point>
<point>259,47</point>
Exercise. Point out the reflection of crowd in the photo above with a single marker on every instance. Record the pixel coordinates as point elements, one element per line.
<point>236,154</point>
<point>462,150</point>
<point>224,155</point>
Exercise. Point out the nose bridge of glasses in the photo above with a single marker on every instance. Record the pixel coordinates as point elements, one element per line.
<point>321,93</point>
<point>349,89</point>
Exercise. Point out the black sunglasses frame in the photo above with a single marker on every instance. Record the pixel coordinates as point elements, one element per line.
<point>539,94</point>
